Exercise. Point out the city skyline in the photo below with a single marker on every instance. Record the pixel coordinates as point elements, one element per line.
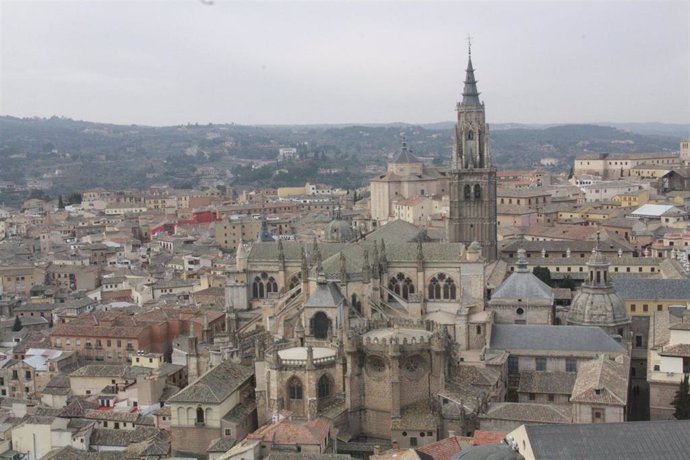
<point>163,63</point>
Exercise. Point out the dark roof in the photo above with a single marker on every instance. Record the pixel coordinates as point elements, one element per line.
<point>667,439</point>
<point>543,337</point>
<point>648,288</point>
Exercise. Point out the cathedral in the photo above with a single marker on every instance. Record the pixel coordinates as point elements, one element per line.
<point>365,331</point>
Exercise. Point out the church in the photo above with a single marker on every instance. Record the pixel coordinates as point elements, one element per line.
<point>365,330</point>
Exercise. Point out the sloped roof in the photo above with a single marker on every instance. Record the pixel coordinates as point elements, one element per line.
<point>554,382</point>
<point>325,295</point>
<point>667,439</point>
<point>602,381</point>
<point>523,284</point>
<point>530,412</point>
<point>549,338</point>
<point>216,385</point>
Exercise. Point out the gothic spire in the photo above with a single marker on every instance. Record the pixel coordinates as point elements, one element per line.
<point>470,95</point>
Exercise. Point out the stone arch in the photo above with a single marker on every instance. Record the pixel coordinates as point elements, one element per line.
<point>190,415</point>
<point>209,413</point>
<point>470,135</point>
<point>320,323</point>
<point>402,286</point>
<point>442,287</point>
<point>199,415</point>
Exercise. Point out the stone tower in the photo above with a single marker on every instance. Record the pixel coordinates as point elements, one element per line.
<point>472,175</point>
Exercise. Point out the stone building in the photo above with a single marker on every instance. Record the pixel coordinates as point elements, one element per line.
<point>523,298</point>
<point>472,175</point>
<point>406,177</point>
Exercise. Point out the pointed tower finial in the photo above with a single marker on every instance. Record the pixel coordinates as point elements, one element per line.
<point>469,44</point>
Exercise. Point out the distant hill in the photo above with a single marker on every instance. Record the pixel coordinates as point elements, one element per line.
<point>62,155</point>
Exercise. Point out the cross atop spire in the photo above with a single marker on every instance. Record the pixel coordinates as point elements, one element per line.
<point>469,44</point>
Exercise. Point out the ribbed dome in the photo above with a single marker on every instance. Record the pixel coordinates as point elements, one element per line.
<point>598,307</point>
<point>339,231</point>
<point>597,303</point>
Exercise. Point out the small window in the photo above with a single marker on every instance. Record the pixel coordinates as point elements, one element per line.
<point>540,363</point>
<point>532,397</point>
<point>413,442</point>
<point>227,432</point>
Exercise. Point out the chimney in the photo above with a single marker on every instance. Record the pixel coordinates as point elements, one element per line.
<point>377,450</point>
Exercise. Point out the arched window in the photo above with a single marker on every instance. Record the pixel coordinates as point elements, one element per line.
<point>442,287</point>
<point>324,387</point>
<point>467,192</point>
<point>258,288</point>
<point>271,285</point>
<point>199,415</point>
<point>477,191</point>
<point>295,388</point>
<point>320,325</point>
<point>356,303</point>
<point>295,281</point>
<point>263,285</point>
<point>402,286</point>
<point>470,135</point>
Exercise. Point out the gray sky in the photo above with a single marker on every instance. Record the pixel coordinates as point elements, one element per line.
<point>178,61</point>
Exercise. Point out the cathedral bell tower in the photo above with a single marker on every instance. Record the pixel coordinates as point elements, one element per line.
<point>472,175</point>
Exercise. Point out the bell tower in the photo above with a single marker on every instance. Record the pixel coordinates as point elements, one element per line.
<point>472,175</point>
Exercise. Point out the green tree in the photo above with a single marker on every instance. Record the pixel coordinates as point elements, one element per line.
<point>74,198</point>
<point>543,273</point>
<point>17,326</point>
<point>61,204</point>
<point>682,400</point>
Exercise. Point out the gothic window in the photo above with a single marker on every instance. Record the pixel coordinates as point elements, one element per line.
<point>470,135</point>
<point>467,192</point>
<point>324,387</point>
<point>263,285</point>
<point>295,281</point>
<point>356,303</point>
<point>401,285</point>
<point>258,289</point>
<point>319,325</point>
<point>442,287</point>
<point>375,365</point>
<point>199,415</point>
<point>477,191</point>
<point>295,388</point>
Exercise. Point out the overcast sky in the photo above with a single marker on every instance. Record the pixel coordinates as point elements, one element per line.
<point>250,62</point>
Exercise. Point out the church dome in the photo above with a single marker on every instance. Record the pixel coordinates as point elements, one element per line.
<point>339,231</point>
<point>597,303</point>
<point>524,285</point>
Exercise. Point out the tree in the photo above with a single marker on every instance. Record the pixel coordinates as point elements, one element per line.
<point>74,198</point>
<point>17,326</point>
<point>568,283</point>
<point>543,273</point>
<point>61,204</point>
<point>682,400</point>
